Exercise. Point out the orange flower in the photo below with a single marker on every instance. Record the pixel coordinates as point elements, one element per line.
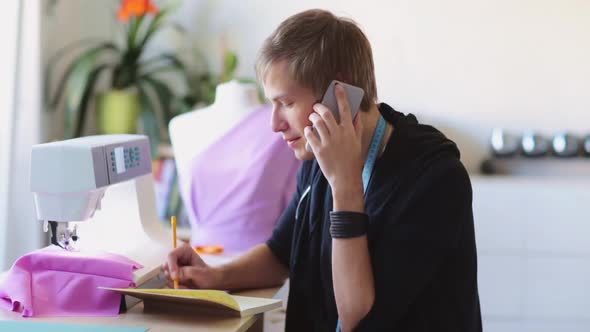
<point>135,8</point>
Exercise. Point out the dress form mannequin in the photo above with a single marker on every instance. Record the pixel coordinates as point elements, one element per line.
<point>227,159</point>
<point>192,132</point>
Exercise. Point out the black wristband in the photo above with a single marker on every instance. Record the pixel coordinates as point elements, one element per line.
<point>346,224</point>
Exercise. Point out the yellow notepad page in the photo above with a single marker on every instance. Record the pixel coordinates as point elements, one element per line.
<point>244,305</point>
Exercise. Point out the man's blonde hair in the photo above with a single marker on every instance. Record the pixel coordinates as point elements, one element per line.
<point>319,47</point>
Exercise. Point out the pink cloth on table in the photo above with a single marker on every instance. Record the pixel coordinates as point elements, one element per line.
<point>55,282</point>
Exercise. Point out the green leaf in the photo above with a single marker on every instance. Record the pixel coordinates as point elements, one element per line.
<point>202,88</point>
<point>161,102</point>
<point>78,80</point>
<point>135,26</point>
<point>73,81</point>
<point>156,23</point>
<point>149,121</point>
<point>169,58</point>
<point>230,63</point>
<point>164,69</point>
<point>165,96</point>
<point>52,66</point>
<point>173,63</point>
<point>76,116</point>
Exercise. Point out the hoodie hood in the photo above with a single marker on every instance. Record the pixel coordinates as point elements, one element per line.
<point>415,143</point>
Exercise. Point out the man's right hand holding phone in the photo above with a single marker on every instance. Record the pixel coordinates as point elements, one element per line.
<point>338,149</point>
<point>353,94</point>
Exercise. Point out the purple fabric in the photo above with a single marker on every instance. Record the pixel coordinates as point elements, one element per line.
<point>55,282</point>
<point>240,185</point>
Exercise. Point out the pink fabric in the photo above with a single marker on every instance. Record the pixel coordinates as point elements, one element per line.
<point>240,185</point>
<point>55,282</point>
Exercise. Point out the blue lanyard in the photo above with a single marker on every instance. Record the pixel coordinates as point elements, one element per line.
<point>373,151</point>
<point>370,163</point>
<point>372,155</point>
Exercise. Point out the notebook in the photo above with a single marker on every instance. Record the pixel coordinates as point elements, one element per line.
<point>195,300</point>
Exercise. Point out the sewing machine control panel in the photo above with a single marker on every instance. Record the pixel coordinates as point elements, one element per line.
<point>125,158</point>
<point>128,160</point>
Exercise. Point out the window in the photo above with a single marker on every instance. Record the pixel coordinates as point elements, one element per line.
<point>20,110</point>
<point>9,25</point>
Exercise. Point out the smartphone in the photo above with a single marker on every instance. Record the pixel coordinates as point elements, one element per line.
<point>354,94</point>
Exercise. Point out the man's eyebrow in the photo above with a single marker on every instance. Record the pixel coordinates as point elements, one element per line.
<point>277,97</point>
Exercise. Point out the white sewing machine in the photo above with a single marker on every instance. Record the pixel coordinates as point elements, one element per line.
<point>69,179</point>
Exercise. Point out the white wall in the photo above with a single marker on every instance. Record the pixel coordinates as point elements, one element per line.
<point>463,65</point>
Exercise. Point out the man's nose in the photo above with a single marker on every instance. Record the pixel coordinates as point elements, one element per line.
<point>277,123</point>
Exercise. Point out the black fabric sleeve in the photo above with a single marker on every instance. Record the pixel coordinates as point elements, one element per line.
<point>282,236</point>
<point>415,241</point>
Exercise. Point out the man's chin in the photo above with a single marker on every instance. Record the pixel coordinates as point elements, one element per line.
<point>303,154</point>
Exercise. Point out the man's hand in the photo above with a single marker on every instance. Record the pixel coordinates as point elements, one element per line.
<point>338,149</point>
<point>185,265</point>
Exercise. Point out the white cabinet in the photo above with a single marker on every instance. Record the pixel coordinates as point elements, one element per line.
<point>533,239</point>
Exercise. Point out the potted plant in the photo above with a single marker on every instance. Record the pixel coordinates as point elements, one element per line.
<point>137,88</point>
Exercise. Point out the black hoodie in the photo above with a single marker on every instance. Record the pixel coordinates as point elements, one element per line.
<point>421,239</point>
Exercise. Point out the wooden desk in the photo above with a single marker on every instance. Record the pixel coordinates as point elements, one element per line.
<point>163,322</point>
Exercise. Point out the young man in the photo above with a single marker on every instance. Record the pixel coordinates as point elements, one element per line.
<point>370,241</point>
